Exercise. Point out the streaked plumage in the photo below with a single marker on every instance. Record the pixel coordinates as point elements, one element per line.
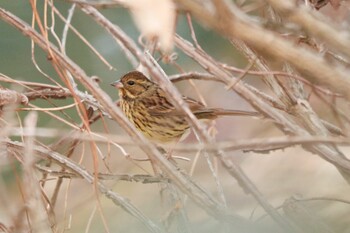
<point>148,108</point>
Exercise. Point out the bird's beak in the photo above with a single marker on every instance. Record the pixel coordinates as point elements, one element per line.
<point>117,84</point>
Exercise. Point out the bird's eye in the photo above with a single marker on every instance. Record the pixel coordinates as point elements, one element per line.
<point>131,83</point>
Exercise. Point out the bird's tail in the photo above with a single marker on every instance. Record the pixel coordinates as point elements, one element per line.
<point>217,112</point>
<point>226,112</point>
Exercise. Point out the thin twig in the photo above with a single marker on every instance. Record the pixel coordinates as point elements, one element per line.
<point>69,164</point>
<point>181,180</point>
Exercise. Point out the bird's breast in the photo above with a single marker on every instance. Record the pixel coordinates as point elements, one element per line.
<point>159,128</point>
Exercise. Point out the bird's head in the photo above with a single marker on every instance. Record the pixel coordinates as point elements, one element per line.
<point>132,85</point>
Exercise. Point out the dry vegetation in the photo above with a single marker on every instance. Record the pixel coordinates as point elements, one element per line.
<point>293,176</point>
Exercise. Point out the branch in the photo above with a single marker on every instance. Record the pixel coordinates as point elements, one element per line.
<point>230,22</point>
<point>197,194</point>
<point>18,147</point>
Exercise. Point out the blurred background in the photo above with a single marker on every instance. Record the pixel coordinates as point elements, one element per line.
<point>280,175</point>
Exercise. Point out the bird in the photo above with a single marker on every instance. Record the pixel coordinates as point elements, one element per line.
<point>147,106</point>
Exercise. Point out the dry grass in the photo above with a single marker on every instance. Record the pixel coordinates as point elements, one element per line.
<point>286,171</point>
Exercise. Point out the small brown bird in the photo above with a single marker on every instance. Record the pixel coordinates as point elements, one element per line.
<point>148,108</point>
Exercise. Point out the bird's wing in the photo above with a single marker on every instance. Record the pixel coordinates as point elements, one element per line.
<point>164,107</point>
<point>157,103</point>
<point>193,104</point>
